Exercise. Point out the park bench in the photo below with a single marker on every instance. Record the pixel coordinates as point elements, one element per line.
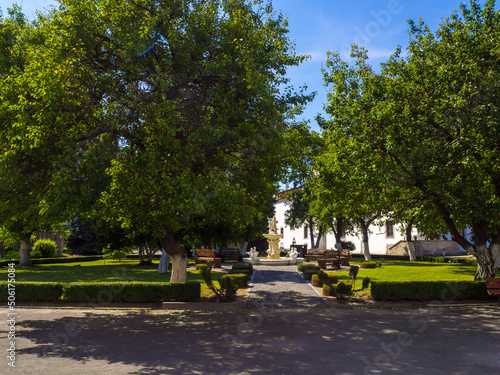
<point>345,257</point>
<point>206,256</point>
<point>493,286</point>
<point>230,254</point>
<point>330,257</point>
<point>314,254</point>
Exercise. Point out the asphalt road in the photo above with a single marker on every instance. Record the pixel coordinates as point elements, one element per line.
<point>267,340</point>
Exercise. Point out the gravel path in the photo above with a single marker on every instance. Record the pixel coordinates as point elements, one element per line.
<point>282,286</point>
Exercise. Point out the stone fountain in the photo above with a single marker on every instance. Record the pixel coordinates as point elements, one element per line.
<point>273,254</point>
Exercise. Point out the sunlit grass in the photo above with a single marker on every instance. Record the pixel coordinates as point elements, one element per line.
<point>101,271</point>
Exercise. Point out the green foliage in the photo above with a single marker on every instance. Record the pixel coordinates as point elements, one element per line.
<point>429,290</point>
<point>245,271</point>
<point>307,266</point>
<point>117,254</point>
<point>368,265</point>
<point>308,273</point>
<point>201,267</point>
<point>348,245</point>
<point>228,286</point>
<point>243,266</point>
<point>12,255</point>
<point>344,289</point>
<point>33,292</point>
<point>366,283</point>
<point>44,248</point>
<point>241,280</point>
<point>102,293</point>
<point>316,280</point>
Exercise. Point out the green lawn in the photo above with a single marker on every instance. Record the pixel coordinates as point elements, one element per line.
<point>417,271</point>
<point>100,271</point>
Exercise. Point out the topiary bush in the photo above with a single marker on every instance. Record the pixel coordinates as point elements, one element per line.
<point>44,248</point>
<point>240,279</point>
<point>429,290</point>
<point>316,281</point>
<point>308,273</point>
<point>33,291</point>
<point>344,289</point>
<point>307,266</point>
<point>201,267</point>
<point>134,291</point>
<point>243,266</point>
<point>366,283</point>
<point>368,265</point>
<point>238,271</point>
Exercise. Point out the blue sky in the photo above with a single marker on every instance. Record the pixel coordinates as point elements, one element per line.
<point>318,26</point>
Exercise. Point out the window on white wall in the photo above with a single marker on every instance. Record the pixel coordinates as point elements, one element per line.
<point>305,232</point>
<point>389,229</point>
<point>282,230</point>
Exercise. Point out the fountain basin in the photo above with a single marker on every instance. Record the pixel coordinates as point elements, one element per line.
<point>273,262</point>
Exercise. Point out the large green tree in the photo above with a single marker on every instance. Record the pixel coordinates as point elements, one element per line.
<point>46,110</point>
<point>432,120</point>
<point>191,93</point>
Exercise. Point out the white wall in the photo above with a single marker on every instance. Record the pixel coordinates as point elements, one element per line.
<point>379,242</point>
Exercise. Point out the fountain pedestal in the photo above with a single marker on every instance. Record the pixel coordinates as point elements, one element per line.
<point>273,254</point>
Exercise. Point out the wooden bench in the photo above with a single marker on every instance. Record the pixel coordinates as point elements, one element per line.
<point>493,286</point>
<point>314,254</point>
<point>230,254</point>
<point>345,257</point>
<point>205,256</point>
<point>330,257</point>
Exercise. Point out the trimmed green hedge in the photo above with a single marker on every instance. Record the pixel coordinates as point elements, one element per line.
<point>243,266</point>
<point>429,290</point>
<point>307,266</point>
<point>90,258</point>
<point>32,292</point>
<point>238,271</point>
<point>446,260</point>
<point>308,273</point>
<point>102,292</point>
<point>132,292</point>
<point>240,279</point>
<point>137,256</point>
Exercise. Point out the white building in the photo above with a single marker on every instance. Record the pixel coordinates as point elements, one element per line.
<point>380,239</point>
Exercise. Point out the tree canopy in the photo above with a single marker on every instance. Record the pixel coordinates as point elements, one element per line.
<point>429,124</point>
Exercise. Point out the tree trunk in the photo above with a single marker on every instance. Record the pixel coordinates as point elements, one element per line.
<point>365,245</point>
<point>243,248</point>
<point>24,254</point>
<point>485,262</point>
<point>179,257</point>
<point>164,260</point>
<point>337,232</point>
<point>311,232</point>
<point>411,251</point>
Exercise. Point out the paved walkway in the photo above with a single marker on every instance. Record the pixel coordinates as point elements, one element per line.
<point>282,286</point>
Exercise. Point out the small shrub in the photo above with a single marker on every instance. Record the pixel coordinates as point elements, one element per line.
<point>201,267</point>
<point>116,254</point>
<point>348,245</point>
<point>240,279</point>
<point>44,249</point>
<point>308,273</point>
<point>332,278</point>
<point>368,265</point>
<point>227,290</point>
<point>317,281</point>
<point>328,290</point>
<point>366,283</point>
<point>307,266</point>
<point>379,264</point>
<point>12,255</point>
<point>243,266</point>
<point>344,289</point>
<point>244,271</point>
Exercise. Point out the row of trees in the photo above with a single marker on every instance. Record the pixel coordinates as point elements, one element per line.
<point>418,141</point>
<point>167,118</point>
